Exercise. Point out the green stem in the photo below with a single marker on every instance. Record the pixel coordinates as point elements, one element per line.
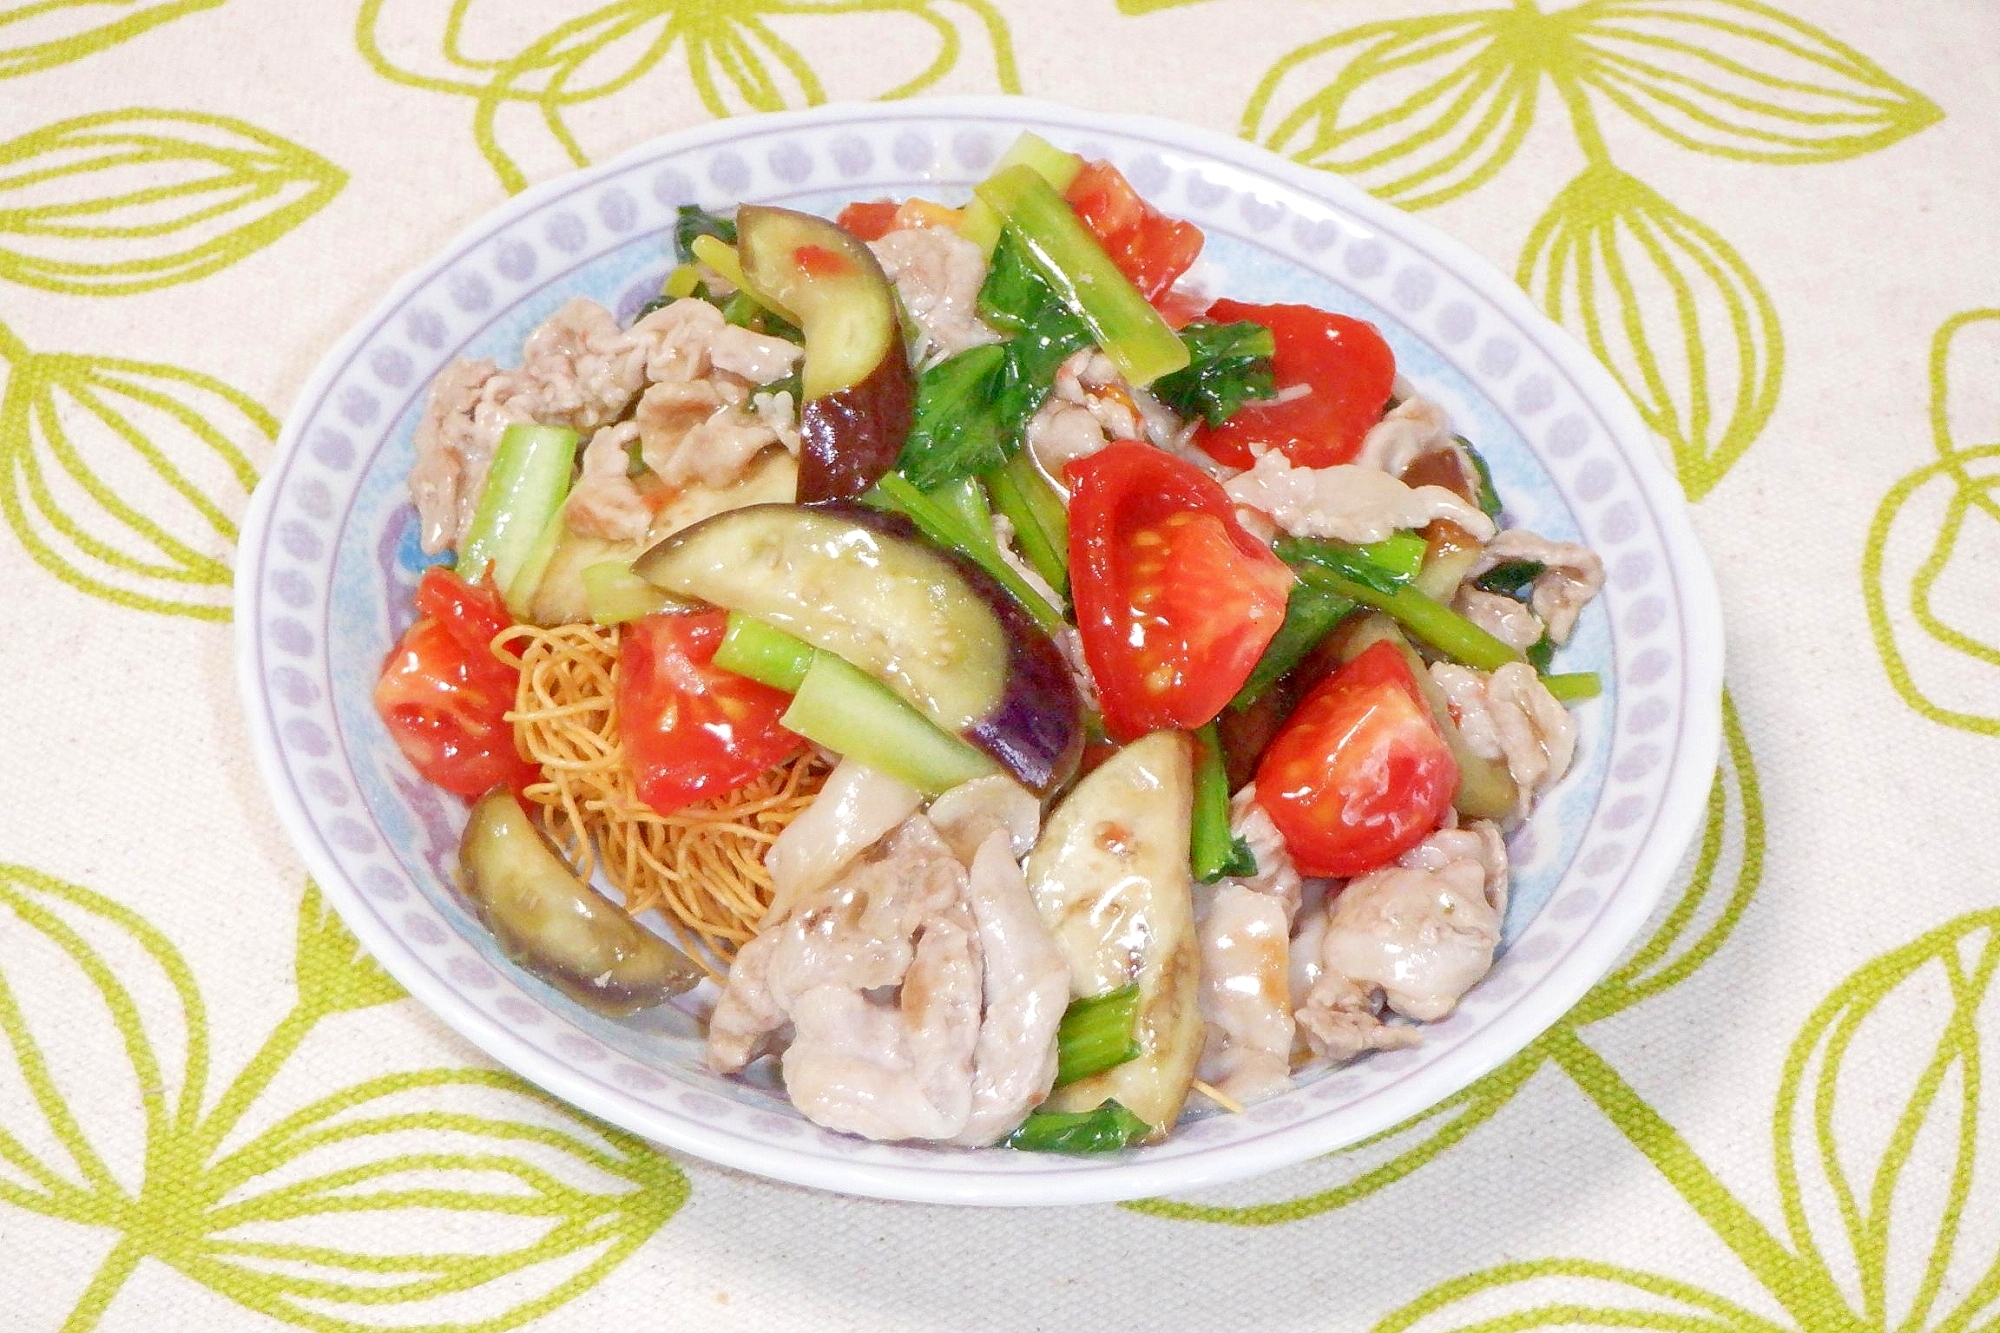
<point>111,1276</point>
<point>1790,1281</point>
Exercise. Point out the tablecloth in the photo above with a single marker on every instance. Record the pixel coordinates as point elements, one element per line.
<point>1775,224</point>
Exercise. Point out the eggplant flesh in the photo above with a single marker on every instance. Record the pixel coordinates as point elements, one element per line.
<point>561,597</point>
<point>859,390</point>
<point>928,623</point>
<point>556,926</point>
<point>1110,878</point>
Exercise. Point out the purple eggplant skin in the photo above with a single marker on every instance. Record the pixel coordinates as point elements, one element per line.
<point>850,438</point>
<point>1036,730</point>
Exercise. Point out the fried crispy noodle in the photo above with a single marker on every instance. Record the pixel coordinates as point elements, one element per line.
<point>703,866</point>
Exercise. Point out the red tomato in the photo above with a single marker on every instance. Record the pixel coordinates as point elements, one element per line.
<point>1360,773</point>
<point>870,220</point>
<point>444,696</point>
<point>1148,247</point>
<point>1175,601</point>
<point>1344,362</point>
<point>691,729</point>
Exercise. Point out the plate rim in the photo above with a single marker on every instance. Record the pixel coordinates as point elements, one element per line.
<point>1682,803</point>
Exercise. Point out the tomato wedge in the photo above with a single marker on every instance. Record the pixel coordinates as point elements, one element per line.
<point>1343,365</point>
<point>444,696</point>
<point>1150,248</point>
<point>869,219</point>
<point>1174,600</point>
<point>1360,773</point>
<point>691,729</point>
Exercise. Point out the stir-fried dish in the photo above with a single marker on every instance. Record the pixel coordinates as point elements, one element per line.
<point>1029,690</point>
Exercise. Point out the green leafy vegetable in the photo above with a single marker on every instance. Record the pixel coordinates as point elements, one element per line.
<point>764,653</point>
<point>1353,563</point>
<point>691,221</point>
<point>1106,1129</point>
<point>1014,294</point>
<point>1041,522</point>
<point>1211,849</point>
<point>1512,578</point>
<point>943,517</point>
<point>1228,364</point>
<point>1432,621</point>
<point>1310,615</point>
<point>1488,498</point>
<point>1065,253</point>
<point>1097,1033</point>
<point>1573,686</point>
<point>1540,653</point>
<point>957,430</point>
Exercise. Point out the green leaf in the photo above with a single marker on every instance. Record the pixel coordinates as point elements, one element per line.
<point>1572,1294</point>
<point>1741,79</point>
<point>1670,308</point>
<point>1938,638</point>
<point>1228,365</point>
<point>124,478</point>
<point>1911,1033</point>
<point>692,220</point>
<point>410,1191</point>
<point>1106,1128</point>
<point>93,1001</point>
<point>1512,578</point>
<point>957,430</point>
<point>335,973</point>
<point>42,33</point>
<point>743,57</point>
<point>127,201</point>
<point>1415,110</point>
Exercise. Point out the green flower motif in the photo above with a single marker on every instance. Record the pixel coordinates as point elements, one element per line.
<point>1870,1243</point>
<point>128,201</point>
<point>42,33</point>
<point>331,1217</point>
<point>124,478</point>
<point>1425,109</point>
<point>1726,868</point>
<point>1669,307</point>
<point>1950,593</point>
<point>738,55</point>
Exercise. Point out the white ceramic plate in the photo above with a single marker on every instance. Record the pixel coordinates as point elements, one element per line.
<point>328,561</point>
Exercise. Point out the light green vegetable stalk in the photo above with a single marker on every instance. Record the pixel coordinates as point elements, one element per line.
<point>615,595</point>
<point>840,706</point>
<point>1041,522</point>
<point>981,224</point>
<point>764,653</point>
<point>1062,249</point>
<point>1097,1033</point>
<point>524,493</point>
<point>1573,686</point>
<point>956,516</point>
<point>1212,851</point>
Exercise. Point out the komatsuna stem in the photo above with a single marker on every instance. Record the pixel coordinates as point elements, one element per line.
<point>1791,1282</point>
